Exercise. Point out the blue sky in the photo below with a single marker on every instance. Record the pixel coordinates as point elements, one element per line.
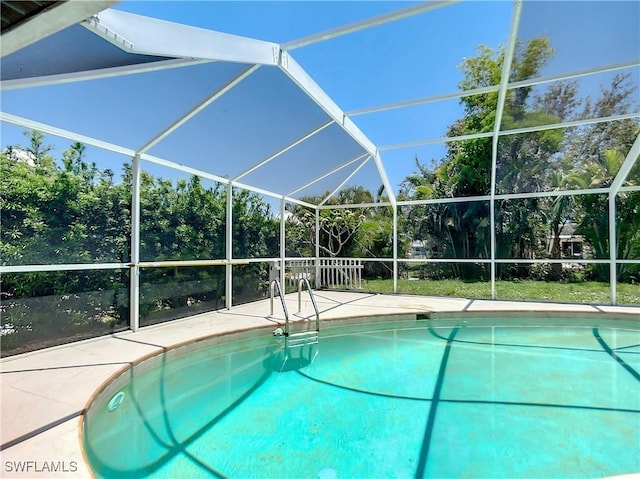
<point>412,58</point>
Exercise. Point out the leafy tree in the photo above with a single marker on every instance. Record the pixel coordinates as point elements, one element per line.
<point>345,232</point>
<point>597,152</point>
<point>559,211</point>
<point>461,230</point>
<point>67,214</point>
<point>338,227</point>
<point>256,231</point>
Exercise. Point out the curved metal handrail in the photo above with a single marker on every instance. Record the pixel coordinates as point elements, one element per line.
<point>276,284</point>
<point>301,283</point>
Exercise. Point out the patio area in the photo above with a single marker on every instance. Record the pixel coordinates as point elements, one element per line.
<point>44,393</point>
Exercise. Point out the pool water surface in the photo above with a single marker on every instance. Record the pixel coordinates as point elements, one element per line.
<point>397,399</point>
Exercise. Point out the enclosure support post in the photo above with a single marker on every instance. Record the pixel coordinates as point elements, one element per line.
<point>283,246</point>
<point>134,279</point>
<point>616,184</point>
<point>317,239</point>
<point>492,226</point>
<point>395,249</point>
<point>228,283</point>
<point>613,250</point>
<point>502,97</point>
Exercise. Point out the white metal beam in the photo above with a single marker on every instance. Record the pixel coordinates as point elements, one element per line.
<point>184,169</point>
<point>255,189</point>
<point>515,131</point>
<point>317,245</point>
<point>613,250</point>
<point>182,263</point>
<point>151,36</point>
<point>385,179</point>
<point>308,85</point>
<point>228,274</point>
<point>422,101</point>
<point>301,203</point>
<point>569,124</point>
<point>201,106</point>
<point>32,268</point>
<point>572,75</point>
<point>507,260</point>
<point>436,141</point>
<point>623,172</point>
<point>491,89</point>
<point>291,145</point>
<point>625,168</point>
<point>512,196</point>
<point>271,194</point>
<point>329,173</point>
<point>219,179</point>
<point>98,74</point>
<point>502,97</point>
<point>70,135</point>
<point>134,272</point>
<point>395,249</point>
<point>314,92</point>
<point>456,199</point>
<point>552,194</point>
<point>344,182</point>
<point>347,206</point>
<point>367,23</point>
<point>283,246</point>
<point>48,22</point>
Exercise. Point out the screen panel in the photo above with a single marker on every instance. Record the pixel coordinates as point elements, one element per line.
<point>127,110</point>
<point>172,293</point>
<point>44,309</point>
<point>182,216</point>
<point>583,35</point>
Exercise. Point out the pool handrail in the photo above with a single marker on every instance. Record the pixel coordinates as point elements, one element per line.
<point>276,284</point>
<point>301,283</point>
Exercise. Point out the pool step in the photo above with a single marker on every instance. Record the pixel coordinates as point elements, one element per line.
<point>302,338</point>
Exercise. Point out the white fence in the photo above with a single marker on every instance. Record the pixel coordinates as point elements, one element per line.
<point>298,269</point>
<point>334,272</point>
<point>341,273</point>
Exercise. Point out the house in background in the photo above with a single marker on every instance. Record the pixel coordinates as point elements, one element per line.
<point>418,250</point>
<point>572,245</point>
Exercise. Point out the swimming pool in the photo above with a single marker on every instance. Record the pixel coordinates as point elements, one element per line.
<point>415,398</point>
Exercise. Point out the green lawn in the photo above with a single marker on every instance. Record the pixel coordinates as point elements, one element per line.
<point>577,292</point>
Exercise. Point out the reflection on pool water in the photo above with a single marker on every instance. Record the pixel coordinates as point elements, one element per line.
<point>390,399</point>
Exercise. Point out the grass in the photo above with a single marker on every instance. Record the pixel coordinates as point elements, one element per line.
<point>590,292</point>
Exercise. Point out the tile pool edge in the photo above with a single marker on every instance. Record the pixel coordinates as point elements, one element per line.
<point>517,317</point>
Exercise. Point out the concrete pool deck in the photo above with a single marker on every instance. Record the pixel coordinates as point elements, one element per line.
<point>44,393</point>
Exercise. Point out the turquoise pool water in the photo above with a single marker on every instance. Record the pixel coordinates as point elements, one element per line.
<point>398,399</point>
